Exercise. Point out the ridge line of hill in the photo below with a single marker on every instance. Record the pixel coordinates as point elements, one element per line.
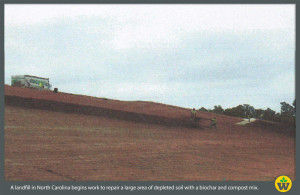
<point>92,110</point>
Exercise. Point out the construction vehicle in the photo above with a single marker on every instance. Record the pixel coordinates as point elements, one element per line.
<point>30,82</point>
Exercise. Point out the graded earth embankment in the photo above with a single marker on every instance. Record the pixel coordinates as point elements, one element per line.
<point>137,111</point>
<point>66,137</point>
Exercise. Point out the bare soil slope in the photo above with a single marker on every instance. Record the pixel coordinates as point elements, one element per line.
<point>59,136</point>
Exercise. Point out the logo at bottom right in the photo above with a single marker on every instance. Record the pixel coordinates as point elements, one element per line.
<point>283,183</point>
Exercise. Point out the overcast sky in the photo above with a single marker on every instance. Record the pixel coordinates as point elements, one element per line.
<point>184,55</point>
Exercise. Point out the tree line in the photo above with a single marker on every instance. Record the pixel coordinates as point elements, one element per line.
<point>287,113</point>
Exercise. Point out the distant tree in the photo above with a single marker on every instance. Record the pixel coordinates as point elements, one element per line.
<point>294,104</point>
<point>229,112</point>
<point>249,111</point>
<point>218,109</point>
<point>277,117</point>
<point>259,113</point>
<point>288,112</point>
<point>203,109</point>
<point>235,111</point>
<point>286,109</point>
<point>269,114</point>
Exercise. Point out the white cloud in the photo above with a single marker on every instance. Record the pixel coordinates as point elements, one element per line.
<point>177,54</point>
<point>156,26</point>
<point>144,36</point>
<point>192,17</point>
<point>284,83</point>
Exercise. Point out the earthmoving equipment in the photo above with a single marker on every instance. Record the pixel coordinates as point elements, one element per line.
<point>30,82</point>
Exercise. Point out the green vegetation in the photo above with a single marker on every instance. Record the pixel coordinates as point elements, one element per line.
<point>286,115</point>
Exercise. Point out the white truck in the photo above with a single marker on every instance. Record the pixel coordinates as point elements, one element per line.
<point>30,81</point>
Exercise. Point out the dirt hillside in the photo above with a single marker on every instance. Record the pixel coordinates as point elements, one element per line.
<point>60,136</point>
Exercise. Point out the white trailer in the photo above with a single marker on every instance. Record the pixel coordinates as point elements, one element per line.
<point>30,81</point>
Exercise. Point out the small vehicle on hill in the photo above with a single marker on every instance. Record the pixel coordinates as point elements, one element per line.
<point>30,82</point>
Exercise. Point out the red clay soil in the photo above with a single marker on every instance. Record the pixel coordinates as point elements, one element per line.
<point>129,106</point>
<point>59,136</point>
<point>138,107</point>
